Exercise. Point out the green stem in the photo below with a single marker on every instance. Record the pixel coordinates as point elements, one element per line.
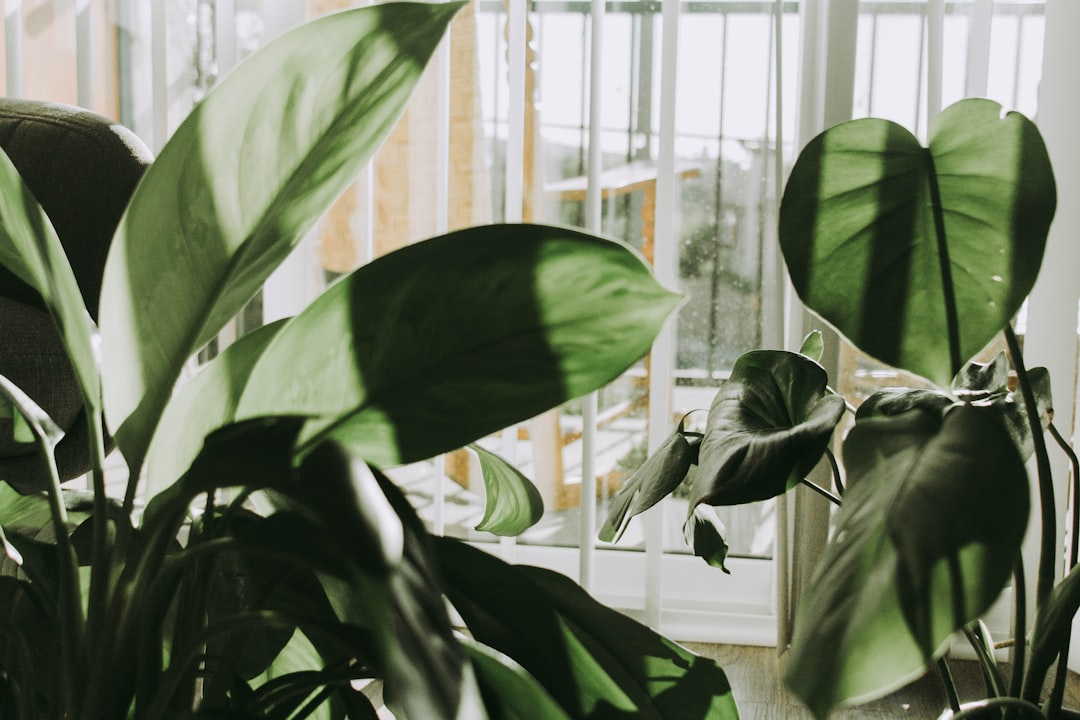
<point>949,683</point>
<point>952,322</point>
<point>100,562</point>
<point>822,491</point>
<point>995,686</point>
<point>1044,582</point>
<point>837,481</point>
<point>1057,694</point>
<point>1019,631</point>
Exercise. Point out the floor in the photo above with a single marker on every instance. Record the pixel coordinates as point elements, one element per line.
<point>755,676</point>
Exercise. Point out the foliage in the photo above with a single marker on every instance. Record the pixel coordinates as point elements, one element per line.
<point>274,565</point>
<point>920,256</point>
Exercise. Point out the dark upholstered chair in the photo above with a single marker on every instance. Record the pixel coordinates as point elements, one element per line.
<point>82,168</point>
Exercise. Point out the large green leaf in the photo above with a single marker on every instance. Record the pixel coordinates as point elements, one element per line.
<point>510,693</point>
<point>769,424</point>
<point>595,661</point>
<point>926,538</point>
<point>658,476</point>
<point>239,183</point>
<point>920,255</point>
<point>30,249</point>
<point>204,404</point>
<point>512,504</point>
<point>445,341</point>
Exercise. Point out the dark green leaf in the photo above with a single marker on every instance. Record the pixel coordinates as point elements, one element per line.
<point>977,380</point>
<point>705,533</point>
<point>445,341</point>
<point>510,693</point>
<point>769,424</point>
<point>1054,623</point>
<point>513,504</point>
<point>897,401</point>
<point>204,404</point>
<point>30,249</point>
<point>905,568</point>
<point>239,184</point>
<point>594,661</point>
<point>813,345</point>
<point>858,232</point>
<point>657,478</point>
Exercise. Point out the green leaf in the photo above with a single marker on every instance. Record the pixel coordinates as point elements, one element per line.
<point>860,233</point>
<point>813,346</point>
<point>594,661</point>
<point>513,504</point>
<point>905,568</point>
<point>203,405</point>
<point>42,429</point>
<point>239,184</point>
<point>510,693</point>
<point>769,424</point>
<point>705,533</point>
<point>30,249</point>
<point>977,381</point>
<point>1053,623</point>
<point>445,341</point>
<point>658,476</point>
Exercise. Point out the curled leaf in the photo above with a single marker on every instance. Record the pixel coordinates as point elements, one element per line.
<point>769,424</point>
<point>813,345</point>
<point>657,478</point>
<point>705,533</point>
<point>513,504</point>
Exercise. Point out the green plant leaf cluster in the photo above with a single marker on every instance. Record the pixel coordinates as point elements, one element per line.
<point>274,565</point>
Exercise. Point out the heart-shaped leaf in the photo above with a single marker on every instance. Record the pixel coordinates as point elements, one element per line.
<point>920,255</point>
<point>450,339</point>
<point>658,476</point>
<point>769,424</point>
<point>513,504</point>
<point>594,661</point>
<point>239,184</point>
<point>906,567</point>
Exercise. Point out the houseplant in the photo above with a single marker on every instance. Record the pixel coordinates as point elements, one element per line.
<point>920,256</point>
<point>312,572</point>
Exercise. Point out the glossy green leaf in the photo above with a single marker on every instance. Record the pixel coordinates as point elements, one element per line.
<point>239,184</point>
<point>30,249</point>
<point>206,403</point>
<point>513,504</point>
<point>594,661</point>
<point>658,476</point>
<point>813,346</point>
<point>445,341</point>
<point>706,535</point>
<point>905,569</point>
<point>510,693</point>
<point>897,246</point>
<point>1054,623</point>
<point>769,424</point>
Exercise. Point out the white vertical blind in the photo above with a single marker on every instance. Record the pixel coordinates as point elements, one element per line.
<point>13,51</point>
<point>665,262</point>
<point>159,79</point>
<point>935,49</point>
<point>442,224</point>
<point>84,52</point>
<point>978,48</point>
<point>593,222</point>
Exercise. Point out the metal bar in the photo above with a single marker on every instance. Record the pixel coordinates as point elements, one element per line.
<point>13,55</point>
<point>918,78</point>
<point>873,65</point>
<point>225,36</point>
<point>1016,61</point>
<point>515,144</point>
<point>442,223</point>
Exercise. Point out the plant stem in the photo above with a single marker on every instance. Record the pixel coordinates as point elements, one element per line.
<point>949,683</point>
<point>1044,582</point>
<point>995,686</point>
<point>952,322</point>
<point>1057,694</point>
<point>837,481</point>
<point>822,491</point>
<point>100,562</point>
<point>1019,631</point>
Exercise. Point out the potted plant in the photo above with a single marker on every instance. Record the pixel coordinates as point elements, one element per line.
<point>920,256</point>
<point>274,566</point>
